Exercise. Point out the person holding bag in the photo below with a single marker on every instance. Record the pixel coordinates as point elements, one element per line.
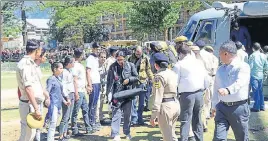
<point>122,75</point>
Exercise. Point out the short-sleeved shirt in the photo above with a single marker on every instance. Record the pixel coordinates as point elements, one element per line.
<point>67,82</point>
<point>28,75</point>
<point>79,71</point>
<point>93,64</point>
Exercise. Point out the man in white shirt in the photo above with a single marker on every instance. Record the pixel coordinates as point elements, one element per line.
<point>230,96</point>
<point>79,75</point>
<point>93,84</point>
<point>241,54</point>
<point>193,80</point>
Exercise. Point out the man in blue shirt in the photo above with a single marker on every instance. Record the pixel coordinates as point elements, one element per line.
<point>258,65</point>
<point>240,33</point>
<point>230,96</point>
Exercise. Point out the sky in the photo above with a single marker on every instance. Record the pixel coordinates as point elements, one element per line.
<point>36,14</point>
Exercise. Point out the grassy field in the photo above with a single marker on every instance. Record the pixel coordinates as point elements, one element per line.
<point>9,81</point>
<point>11,127</point>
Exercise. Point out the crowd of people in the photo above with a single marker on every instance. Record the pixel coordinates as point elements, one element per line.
<point>9,55</point>
<point>183,80</point>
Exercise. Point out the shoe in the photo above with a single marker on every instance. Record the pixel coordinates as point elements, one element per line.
<point>106,122</point>
<point>262,109</point>
<point>128,137</point>
<point>191,139</point>
<point>67,137</point>
<point>146,109</point>
<point>117,138</point>
<point>63,139</point>
<point>142,124</point>
<point>205,129</point>
<point>254,110</point>
<point>98,125</point>
<point>79,135</point>
<point>96,128</point>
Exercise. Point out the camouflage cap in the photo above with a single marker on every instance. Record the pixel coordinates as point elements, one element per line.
<point>181,39</point>
<point>189,43</point>
<point>160,45</point>
<point>195,48</point>
<point>209,48</point>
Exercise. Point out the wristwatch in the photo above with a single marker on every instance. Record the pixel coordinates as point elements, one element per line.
<point>228,91</point>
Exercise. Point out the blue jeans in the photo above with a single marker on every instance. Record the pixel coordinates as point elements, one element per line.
<point>93,101</point>
<point>38,131</point>
<point>66,115</point>
<point>148,94</point>
<point>52,124</point>
<point>258,97</point>
<point>116,118</point>
<point>137,115</point>
<point>81,103</point>
<point>235,116</point>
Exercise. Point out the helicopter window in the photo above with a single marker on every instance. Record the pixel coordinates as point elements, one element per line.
<point>189,30</point>
<point>205,32</point>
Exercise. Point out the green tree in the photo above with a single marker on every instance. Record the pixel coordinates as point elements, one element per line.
<point>154,17</point>
<point>85,16</point>
<point>11,23</point>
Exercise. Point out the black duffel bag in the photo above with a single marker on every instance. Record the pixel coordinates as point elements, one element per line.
<point>125,94</point>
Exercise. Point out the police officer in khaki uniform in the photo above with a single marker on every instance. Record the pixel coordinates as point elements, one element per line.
<point>166,107</point>
<point>30,87</point>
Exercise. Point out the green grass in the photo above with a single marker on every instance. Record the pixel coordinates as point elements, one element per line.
<point>9,81</point>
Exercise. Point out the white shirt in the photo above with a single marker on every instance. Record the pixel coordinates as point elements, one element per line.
<point>242,55</point>
<point>93,65</point>
<point>79,71</point>
<point>67,82</point>
<point>235,77</point>
<point>192,75</point>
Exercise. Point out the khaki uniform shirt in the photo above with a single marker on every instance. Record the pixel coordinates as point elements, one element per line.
<point>164,86</point>
<point>28,75</point>
<point>208,61</point>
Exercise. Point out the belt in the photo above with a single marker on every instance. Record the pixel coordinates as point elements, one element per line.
<point>200,90</point>
<point>234,103</point>
<point>25,101</point>
<point>168,99</point>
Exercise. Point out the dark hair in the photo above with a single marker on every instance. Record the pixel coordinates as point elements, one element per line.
<point>256,46</point>
<point>67,60</point>
<point>265,49</point>
<point>55,65</point>
<point>184,49</point>
<point>43,52</point>
<point>32,45</point>
<point>162,64</point>
<point>153,47</point>
<point>120,53</point>
<point>239,45</point>
<point>78,52</point>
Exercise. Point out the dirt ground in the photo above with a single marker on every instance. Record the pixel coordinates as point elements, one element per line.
<point>10,125</point>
